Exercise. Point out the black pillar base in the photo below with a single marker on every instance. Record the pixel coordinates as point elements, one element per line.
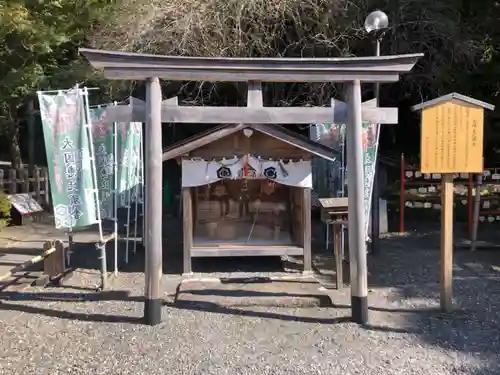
<point>359,308</point>
<point>152,311</point>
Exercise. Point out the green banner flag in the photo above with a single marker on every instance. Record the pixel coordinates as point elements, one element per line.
<point>370,146</point>
<point>130,136</point>
<point>67,146</point>
<point>104,146</point>
<point>333,136</point>
<point>127,154</point>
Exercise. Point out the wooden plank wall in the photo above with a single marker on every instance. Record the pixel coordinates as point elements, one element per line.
<point>297,217</point>
<point>258,145</point>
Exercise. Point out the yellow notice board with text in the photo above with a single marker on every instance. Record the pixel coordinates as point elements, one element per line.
<point>452,138</point>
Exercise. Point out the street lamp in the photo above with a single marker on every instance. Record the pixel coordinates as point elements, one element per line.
<point>376,22</point>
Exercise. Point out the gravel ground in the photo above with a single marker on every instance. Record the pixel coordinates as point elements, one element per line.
<point>73,330</point>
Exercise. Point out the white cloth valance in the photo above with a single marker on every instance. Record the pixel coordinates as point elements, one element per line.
<point>201,172</point>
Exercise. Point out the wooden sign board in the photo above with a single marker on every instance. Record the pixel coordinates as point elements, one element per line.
<point>451,142</point>
<point>334,203</point>
<point>334,210</point>
<point>25,204</point>
<point>452,138</point>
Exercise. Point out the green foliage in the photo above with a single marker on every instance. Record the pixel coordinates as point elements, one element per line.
<point>5,206</point>
<point>39,40</point>
<point>451,33</point>
<point>460,40</point>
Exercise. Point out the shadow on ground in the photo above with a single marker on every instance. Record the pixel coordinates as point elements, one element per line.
<point>85,255</point>
<point>404,283</point>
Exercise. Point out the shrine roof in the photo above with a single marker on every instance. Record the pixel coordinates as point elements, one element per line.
<point>450,97</point>
<point>275,131</point>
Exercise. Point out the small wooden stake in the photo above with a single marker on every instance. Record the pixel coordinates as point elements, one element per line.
<point>339,262</point>
<point>475,213</point>
<point>447,242</point>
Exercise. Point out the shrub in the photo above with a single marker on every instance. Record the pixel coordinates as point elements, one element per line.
<point>5,207</point>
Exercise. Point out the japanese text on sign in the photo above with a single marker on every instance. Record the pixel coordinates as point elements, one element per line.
<point>452,138</point>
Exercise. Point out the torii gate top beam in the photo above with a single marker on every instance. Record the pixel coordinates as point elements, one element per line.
<point>138,66</point>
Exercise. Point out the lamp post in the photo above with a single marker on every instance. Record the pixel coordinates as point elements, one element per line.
<point>374,23</point>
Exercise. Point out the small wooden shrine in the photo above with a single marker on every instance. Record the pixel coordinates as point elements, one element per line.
<point>246,191</point>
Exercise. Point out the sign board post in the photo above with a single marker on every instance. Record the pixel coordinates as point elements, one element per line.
<point>451,142</point>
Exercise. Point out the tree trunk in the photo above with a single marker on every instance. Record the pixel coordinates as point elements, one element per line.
<point>13,135</point>
<point>15,148</point>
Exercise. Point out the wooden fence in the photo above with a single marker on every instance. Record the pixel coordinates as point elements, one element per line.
<point>419,190</point>
<point>36,183</point>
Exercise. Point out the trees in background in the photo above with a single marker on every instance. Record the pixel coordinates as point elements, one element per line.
<point>456,35</point>
<point>38,50</point>
<point>39,41</point>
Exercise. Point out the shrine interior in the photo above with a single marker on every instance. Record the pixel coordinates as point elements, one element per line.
<point>250,211</point>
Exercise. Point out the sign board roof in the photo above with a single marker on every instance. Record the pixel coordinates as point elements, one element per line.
<point>450,97</point>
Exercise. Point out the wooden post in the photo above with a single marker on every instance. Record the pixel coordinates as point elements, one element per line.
<point>446,242</point>
<point>37,184</point>
<point>26,180</point>
<point>356,217</point>
<point>470,204</point>
<point>13,181</point>
<point>31,135</point>
<point>153,154</point>
<point>306,222</point>
<point>187,229</point>
<point>2,188</point>
<point>339,261</point>
<point>54,263</point>
<point>46,189</point>
<point>475,214</point>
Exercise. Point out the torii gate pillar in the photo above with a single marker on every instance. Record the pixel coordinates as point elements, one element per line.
<point>153,228</point>
<point>355,183</point>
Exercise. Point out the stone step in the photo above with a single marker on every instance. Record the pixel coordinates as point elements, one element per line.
<point>289,293</point>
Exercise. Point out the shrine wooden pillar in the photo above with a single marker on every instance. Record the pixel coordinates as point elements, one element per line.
<point>306,222</point>
<point>187,229</point>
<point>154,250</point>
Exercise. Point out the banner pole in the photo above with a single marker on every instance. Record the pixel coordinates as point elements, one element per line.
<point>138,167</point>
<point>115,191</point>
<point>64,90</point>
<point>129,195</point>
<point>342,130</point>
<point>70,246</point>
<point>143,203</point>
<point>101,245</point>
<point>88,124</point>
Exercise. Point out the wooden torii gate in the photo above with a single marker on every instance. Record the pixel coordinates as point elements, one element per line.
<point>254,71</point>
